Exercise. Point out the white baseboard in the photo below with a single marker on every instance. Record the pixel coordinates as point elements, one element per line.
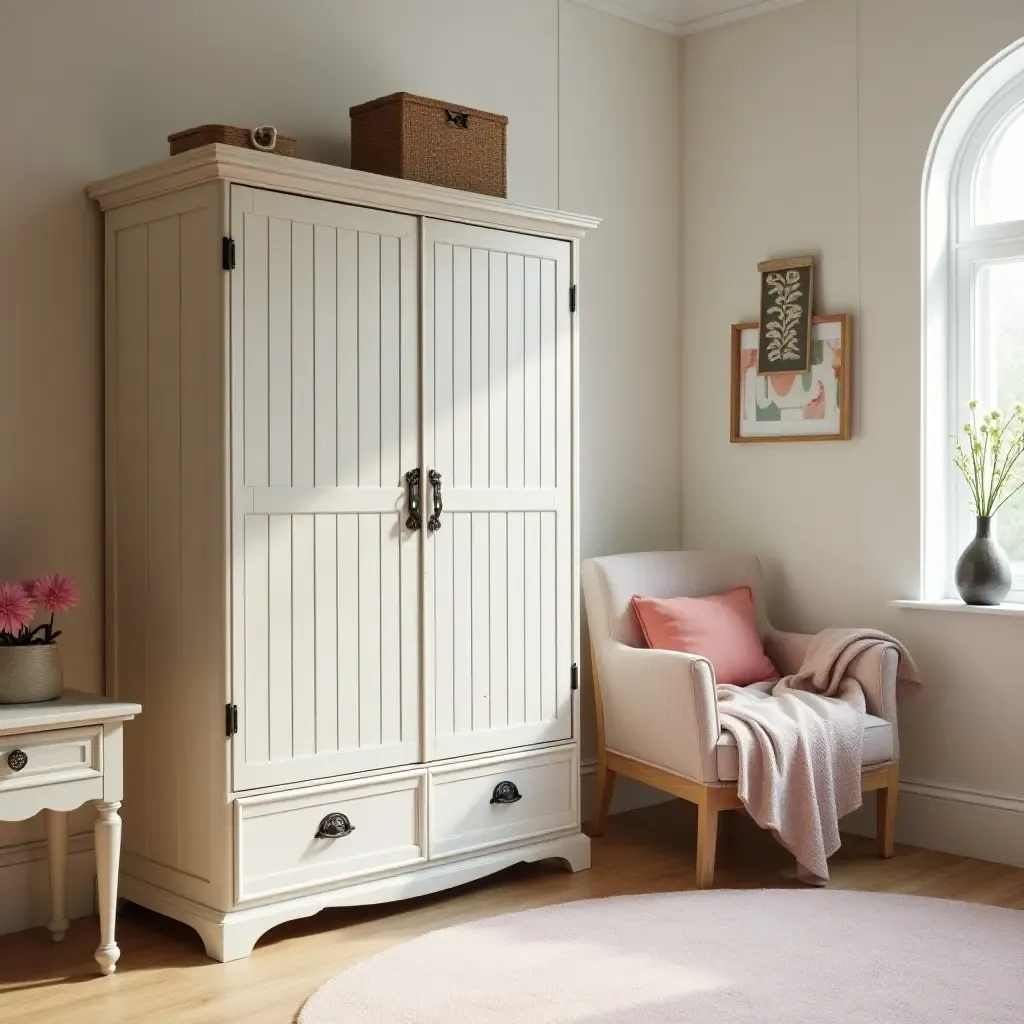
<point>952,820</point>
<point>935,817</point>
<point>25,883</point>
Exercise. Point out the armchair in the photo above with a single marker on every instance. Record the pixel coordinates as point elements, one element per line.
<point>657,714</point>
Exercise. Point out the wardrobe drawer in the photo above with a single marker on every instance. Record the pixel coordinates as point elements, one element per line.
<point>41,758</point>
<point>499,800</point>
<point>327,834</point>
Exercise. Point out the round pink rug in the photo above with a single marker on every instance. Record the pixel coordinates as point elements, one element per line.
<point>723,957</point>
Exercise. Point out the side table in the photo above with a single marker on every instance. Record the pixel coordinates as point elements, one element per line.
<point>58,755</point>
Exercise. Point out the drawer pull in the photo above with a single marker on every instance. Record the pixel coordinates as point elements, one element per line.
<point>506,793</point>
<point>334,826</point>
<point>16,760</point>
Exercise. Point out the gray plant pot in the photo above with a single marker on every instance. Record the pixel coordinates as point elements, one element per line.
<point>30,673</point>
<point>983,572</point>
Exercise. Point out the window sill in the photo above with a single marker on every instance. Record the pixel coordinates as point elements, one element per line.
<point>952,605</point>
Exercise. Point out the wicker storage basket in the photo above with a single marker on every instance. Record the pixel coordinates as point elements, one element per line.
<point>412,137</point>
<point>264,138</point>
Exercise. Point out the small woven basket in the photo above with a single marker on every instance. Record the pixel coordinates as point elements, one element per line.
<point>420,139</point>
<point>266,139</point>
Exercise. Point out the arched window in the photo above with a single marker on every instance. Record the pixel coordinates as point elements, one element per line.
<point>973,314</point>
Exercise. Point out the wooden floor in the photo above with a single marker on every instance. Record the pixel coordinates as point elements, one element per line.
<point>163,974</point>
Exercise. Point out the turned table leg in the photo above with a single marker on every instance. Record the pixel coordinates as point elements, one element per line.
<point>57,854</point>
<point>108,856</point>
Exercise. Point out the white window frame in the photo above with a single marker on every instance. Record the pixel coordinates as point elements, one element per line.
<point>978,246</point>
<point>954,249</point>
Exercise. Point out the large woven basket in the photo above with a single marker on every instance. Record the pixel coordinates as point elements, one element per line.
<point>265,138</point>
<point>439,143</point>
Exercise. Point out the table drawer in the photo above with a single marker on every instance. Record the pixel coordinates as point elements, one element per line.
<point>499,800</point>
<point>370,826</point>
<point>44,758</point>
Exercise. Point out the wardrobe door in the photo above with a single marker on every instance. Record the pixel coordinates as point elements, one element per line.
<point>498,428</point>
<point>325,424</point>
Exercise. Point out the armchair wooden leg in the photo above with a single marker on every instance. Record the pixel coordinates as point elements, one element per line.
<point>885,814</point>
<point>707,838</point>
<point>605,788</point>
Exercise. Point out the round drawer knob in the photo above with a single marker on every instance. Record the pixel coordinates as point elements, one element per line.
<point>506,793</point>
<point>16,760</point>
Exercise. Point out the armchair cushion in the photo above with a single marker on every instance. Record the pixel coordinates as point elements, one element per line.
<point>877,748</point>
<point>719,627</point>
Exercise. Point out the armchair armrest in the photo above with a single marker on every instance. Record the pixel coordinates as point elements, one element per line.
<point>874,669</point>
<point>660,707</point>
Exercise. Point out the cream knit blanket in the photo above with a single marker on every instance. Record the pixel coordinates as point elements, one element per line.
<point>799,743</point>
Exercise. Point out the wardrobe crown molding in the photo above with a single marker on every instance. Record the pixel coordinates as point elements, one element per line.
<point>235,165</point>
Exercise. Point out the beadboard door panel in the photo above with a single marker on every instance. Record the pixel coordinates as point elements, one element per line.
<point>498,416</point>
<point>326,423</point>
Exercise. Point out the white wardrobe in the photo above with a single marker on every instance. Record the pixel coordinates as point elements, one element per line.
<point>342,549</point>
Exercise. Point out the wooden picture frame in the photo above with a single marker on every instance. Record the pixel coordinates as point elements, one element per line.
<point>774,408</point>
<point>786,312</point>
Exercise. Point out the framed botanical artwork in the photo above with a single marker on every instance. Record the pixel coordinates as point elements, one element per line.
<point>787,304</point>
<point>812,405</point>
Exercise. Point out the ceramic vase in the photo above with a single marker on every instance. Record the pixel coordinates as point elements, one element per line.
<point>983,572</point>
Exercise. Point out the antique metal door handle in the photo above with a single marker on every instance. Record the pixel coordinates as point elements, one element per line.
<point>334,826</point>
<point>506,793</point>
<point>16,760</point>
<point>412,482</point>
<point>434,520</point>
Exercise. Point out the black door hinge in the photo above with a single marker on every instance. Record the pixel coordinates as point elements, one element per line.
<point>572,299</point>
<point>575,677</point>
<point>231,719</point>
<point>227,253</point>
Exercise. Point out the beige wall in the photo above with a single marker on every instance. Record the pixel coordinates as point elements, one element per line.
<point>805,131</point>
<point>91,89</point>
<point>620,154</point>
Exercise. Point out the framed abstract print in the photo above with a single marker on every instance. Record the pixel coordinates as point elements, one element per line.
<point>809,405</point>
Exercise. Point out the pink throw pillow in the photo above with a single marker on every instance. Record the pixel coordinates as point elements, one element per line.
<point>720,627</point>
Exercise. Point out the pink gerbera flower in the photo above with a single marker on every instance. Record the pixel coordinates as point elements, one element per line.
<point>56,592</point>
<point>15,607</point>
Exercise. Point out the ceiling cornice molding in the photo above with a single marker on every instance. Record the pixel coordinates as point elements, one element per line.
<point>623,10</point>
<point>627,13</point>
<point>749,11</point>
